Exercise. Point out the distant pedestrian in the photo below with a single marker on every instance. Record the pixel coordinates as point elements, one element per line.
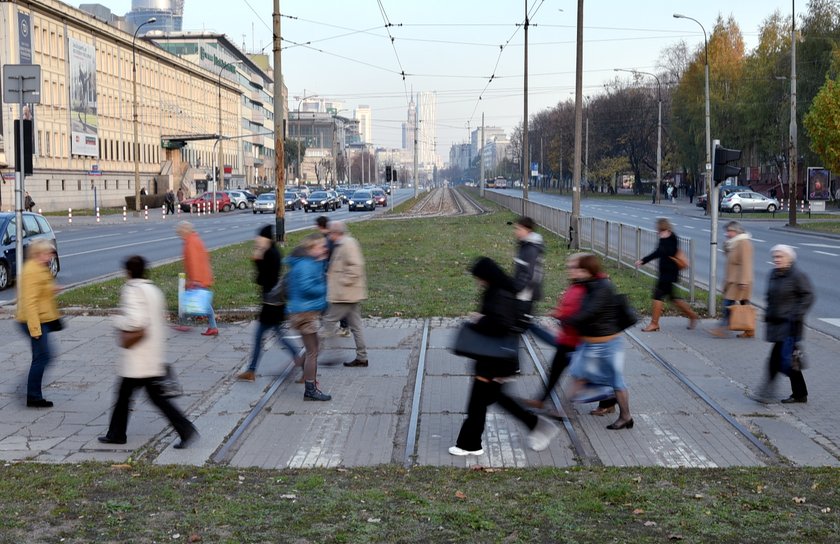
<point>494,319</point>
<point>789,297</point>
<point>180,195</point>
<point>28,203</point>
<point>142,191</point>
<point>142,308</point>
<point>346,289</point>
<point>669,274</point>
<point>197,268</point>
<point>528,266</point>
<point>268,260</point>
<point>37,315</point>
<point>690,193</point>
<point>169,201</point>
<point>306,299</point>
<point>322,223</point>
<point>738,278</point>
<point>670,191</point>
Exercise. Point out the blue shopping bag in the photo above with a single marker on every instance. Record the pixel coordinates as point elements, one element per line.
<point>197,302</point>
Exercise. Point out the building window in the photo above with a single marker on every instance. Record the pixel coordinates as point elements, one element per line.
<point>48,185</point>
<point>117,185</point>
<point>62,185</point>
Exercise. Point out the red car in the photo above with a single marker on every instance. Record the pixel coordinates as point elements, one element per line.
<point>205,202</point>
<point>380,197</point>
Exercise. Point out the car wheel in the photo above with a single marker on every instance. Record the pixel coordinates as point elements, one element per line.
<point>255,212</point>
<point>242,205</point>
<point>53,266</point>
<point>736,208</point>
<point>226,208</point>
<point>4,275</point>
<point>771,208</point>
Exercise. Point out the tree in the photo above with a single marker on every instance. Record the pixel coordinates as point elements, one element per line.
<point>290,152</point>
<point>823,125</point>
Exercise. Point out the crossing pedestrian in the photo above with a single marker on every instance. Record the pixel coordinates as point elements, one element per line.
<point>528,266</point>
<point>738,278</point>
<point>669,274</point>
<point>322,224</point>
<point>198,271</point>
<point>789,297</point>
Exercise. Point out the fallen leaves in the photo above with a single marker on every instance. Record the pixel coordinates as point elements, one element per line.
<point>460,495</point>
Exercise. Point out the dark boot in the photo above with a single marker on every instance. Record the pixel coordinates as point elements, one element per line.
<point>313,393</point>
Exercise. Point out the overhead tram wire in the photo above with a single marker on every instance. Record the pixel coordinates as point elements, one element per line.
<point>388,25</point>
<point>306,46</point>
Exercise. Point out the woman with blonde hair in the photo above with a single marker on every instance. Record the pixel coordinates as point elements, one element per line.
<point>37,314</point>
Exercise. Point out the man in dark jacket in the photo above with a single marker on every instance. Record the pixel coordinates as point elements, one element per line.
<point>528,265</point>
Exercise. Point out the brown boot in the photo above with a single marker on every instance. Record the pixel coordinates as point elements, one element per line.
<point>247,376</point>
<point>687,311</point>
<point>656,312</point>
<point>747,334</point>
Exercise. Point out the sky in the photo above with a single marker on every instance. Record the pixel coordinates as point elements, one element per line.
<point>342,50</point>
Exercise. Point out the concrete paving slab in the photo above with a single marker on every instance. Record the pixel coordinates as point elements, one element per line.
<point>795,444</point>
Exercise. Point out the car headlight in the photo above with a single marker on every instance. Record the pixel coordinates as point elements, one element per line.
<point>351,202</point>
<point>370,202</point>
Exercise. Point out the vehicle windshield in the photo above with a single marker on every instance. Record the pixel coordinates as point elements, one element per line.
<point>362,195</point>
<point>266,196</point>
<point>290,195</point>
<point>317,195</point>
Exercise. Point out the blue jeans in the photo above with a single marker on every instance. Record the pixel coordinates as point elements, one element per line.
<point>41,357</point>
<point>724,315</point>
<point>211,319</point>
<point>280,330</point>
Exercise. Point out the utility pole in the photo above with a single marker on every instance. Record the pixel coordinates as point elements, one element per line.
<point>279,133</point>
<point>481,159</point>
<point>574,238</point>
<point>416,127</point>
<point>792,150</point>
<point>526,159</point>
<point>542,179</point>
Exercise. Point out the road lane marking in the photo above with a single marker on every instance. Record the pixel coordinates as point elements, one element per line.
<point>64,256</point>
<point>824,246</point>
<point>65,242</point>
<point>759,240</point>
<point>831,321</point>
<point>826,253</point>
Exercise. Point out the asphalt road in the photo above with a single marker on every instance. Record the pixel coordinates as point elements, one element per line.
<point>89,250</point>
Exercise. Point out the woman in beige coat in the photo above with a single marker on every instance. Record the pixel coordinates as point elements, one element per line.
<point>738,279</point>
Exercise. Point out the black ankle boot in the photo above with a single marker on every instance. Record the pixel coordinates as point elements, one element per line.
<point>313,393</point>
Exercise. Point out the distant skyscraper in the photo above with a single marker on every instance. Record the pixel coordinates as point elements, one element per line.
<point>169,14</point>
<point>408,127</point>
<point>427,117</point>
<point>363,117</point>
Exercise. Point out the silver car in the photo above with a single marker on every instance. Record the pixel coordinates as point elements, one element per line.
<point>238,199</point>
<point>265,203</point>
<point>748,201</point>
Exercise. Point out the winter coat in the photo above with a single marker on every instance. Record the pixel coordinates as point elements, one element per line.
<point>346,280</point>
<point>36,303</point>
<point>268,273</point>
<point>789,296</point>
<point>497,317</point>
<point>197,261</point>
<point>142,306</point>
<point>739,268</point>
<point>667,248</point>
<point>597,317</point>
<point>528,268</point>
<point>568,304</point>
<point>306,285</point>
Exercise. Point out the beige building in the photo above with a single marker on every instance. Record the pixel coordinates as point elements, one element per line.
<point>83,126</point>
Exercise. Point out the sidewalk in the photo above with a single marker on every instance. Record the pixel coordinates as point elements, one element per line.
<point>368,420</point>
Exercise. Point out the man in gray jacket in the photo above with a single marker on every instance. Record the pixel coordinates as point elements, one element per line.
<point>528,264</point>
<point>346,289</point>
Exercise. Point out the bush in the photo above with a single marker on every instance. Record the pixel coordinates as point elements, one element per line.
<point>152,201</point>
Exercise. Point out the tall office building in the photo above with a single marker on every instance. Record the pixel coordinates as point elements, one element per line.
<point>426,133</point>
<point>169,14</point>
<point>363,117</point>
<point>408,127</point>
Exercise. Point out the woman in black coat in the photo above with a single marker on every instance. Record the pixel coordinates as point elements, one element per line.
<point>495,320</point>
<point>669,274</point>
<point>267,260</point>
<point>789,296</point>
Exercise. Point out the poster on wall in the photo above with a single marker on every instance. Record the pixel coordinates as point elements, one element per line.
<point>818,183</point>
<point>83,120</point>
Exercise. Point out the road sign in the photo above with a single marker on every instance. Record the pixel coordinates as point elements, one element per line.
<point>22,76</point>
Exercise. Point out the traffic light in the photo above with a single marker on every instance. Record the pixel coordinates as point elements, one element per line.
<point>387,173</point>
<point>723,169</point>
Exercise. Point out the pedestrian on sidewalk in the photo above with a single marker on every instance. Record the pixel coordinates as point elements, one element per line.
<point>142,308</point>
<point>599,359</point>
<point>495,319</point>
<point>37,315</point>
<point>670,191</point>
<point>528,266</point>
<point>738,278</point>
<point>306,299</point>
<point>690,193</point>
<point>28,203</point>
<point>346,289</point>
<point>789,297</point>
<point>669,274</point>
<point>198,271</point>
<point>322,224</point>
<point>169,201</point>
<point>268,260</point>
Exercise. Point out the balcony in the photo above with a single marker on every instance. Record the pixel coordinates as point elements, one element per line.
<point>257,117</point>
<point>256,97</point>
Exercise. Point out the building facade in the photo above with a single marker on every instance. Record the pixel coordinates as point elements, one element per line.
<point>427,129</point>
<point>362,115</point>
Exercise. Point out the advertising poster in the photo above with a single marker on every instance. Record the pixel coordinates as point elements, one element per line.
<point>83,120</point>
<point>818,183</point>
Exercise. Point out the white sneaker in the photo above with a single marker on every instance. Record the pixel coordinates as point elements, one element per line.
<point>540,437</point>
<point>455,450</point>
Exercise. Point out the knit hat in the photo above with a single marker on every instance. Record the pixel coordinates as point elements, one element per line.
<point>266,232</point>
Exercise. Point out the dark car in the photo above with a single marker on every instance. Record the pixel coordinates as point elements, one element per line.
<point>380,197</point>
<point>250,196</point>
<point>361,200</point>
<point>319,200</point>
<point>292,200</point>
<point>35,227</point>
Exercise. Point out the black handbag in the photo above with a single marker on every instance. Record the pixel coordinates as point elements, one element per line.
<point>277,295</point>
<point>55,325</point>
<point>170,387</point>
<point>470,343</point>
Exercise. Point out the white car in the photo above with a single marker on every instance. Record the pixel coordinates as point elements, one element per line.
<point>748,201</point>
<point>238,199</point>
<point>265,203</point>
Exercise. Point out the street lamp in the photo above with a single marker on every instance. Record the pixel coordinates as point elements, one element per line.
<point>658,197</point>
<point>220,177</point>
<point>711,188</point>
<point>300,102</point>
<point>136,130</point>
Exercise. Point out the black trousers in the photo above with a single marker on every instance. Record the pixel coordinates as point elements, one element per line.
<point>485,393</point>
<point>774,367</point>
<point>119,419</point>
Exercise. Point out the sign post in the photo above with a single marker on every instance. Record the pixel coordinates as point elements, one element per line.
<point>21,85</point>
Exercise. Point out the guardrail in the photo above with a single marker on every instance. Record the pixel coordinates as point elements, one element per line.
<point>613,240</point>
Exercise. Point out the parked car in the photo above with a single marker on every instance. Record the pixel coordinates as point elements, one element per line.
<point>748,201</point>
<point>205,201</point>
<point>380,197</point>
<point>250,196</point>
<point>266,202</point>
<point>238,199</point>
<point>319,200</point>
<point>361,200</point>
<point>292,200</point>
<point>35,226</point>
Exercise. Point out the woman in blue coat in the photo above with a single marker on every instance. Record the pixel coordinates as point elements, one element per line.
<point>306,299</point>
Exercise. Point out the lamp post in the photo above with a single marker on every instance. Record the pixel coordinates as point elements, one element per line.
<point>658,131</point>
<point>220,178</point>
<point>711,188</point>
<point>136,130</point>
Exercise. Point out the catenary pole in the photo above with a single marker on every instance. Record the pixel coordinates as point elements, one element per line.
<point>279,132</point>
<point>574,234</point>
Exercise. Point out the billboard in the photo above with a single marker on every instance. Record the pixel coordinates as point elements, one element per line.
<point>83,121</point>
<point>818,183</point>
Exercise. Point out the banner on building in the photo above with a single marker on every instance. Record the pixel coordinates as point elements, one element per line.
<point>24,38</point>
<point>83,116</point>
